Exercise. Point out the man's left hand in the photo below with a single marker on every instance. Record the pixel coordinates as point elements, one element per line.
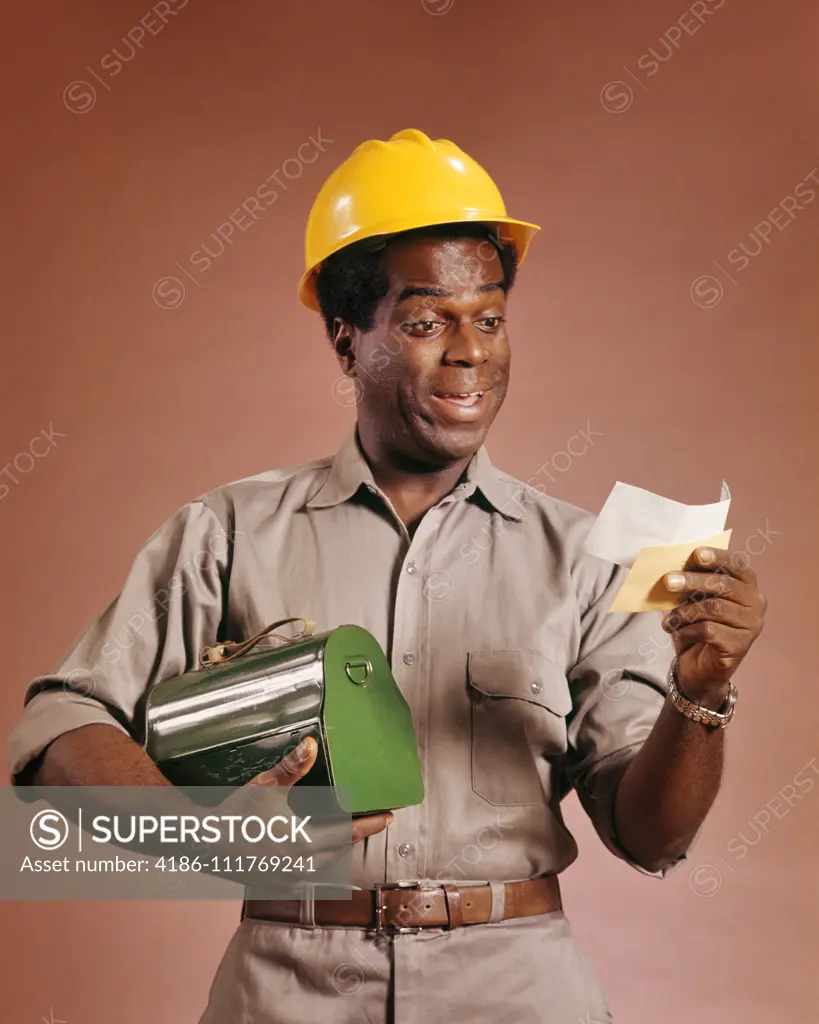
<point>721,613</point>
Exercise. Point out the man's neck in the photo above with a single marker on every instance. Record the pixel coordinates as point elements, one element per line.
<point>412,488</point>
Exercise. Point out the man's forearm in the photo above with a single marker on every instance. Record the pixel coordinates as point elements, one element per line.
<point>94,755</point>
<point>669,787</point>
<point>101,756</point>
<point>667,790</point>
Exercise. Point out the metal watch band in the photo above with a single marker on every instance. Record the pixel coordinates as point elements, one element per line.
<point>696,712</point>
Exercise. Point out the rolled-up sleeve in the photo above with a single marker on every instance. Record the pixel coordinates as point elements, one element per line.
<point>618,689</point>
<point>170,606</point>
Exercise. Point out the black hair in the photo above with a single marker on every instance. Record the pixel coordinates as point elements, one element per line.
<point>352,281</point>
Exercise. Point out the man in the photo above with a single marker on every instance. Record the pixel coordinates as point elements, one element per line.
<point>492,614</point>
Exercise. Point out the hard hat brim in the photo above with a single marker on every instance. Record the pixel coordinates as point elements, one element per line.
<point>520,232</point>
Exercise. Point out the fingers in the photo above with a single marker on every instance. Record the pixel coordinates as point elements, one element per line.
<point>734,563</point>
<point>726,640</point>
<point>370,824</point>
<point>329,841</point>
<point>702,584</point>
<point>715,609</point>
<point>333,838</point>
<point>292,767</point>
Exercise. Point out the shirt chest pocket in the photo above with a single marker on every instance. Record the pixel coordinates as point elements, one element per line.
<point>519,702</point>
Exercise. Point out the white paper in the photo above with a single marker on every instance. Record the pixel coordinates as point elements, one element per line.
<point>632,519</point>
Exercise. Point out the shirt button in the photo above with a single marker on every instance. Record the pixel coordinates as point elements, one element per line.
<point>536,688</point>
<point>412,567</point>
<point>409,658</point>
<point>406,850</point>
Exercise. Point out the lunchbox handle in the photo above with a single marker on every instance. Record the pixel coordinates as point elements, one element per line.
<point>230,649</point>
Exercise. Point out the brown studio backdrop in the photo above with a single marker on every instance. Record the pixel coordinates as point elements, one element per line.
<point>639,193</point>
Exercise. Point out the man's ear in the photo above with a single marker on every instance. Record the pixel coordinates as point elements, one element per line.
<point>342,342</point>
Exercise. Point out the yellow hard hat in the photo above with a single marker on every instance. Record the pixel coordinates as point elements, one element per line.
<point>408,182</point>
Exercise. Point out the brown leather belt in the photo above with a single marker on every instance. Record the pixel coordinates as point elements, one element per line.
<point>407,906</point>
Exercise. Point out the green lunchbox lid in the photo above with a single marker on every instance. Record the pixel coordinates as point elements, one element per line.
<point>370,741</point>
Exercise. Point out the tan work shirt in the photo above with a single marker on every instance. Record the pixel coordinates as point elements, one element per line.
<point>494,619</point>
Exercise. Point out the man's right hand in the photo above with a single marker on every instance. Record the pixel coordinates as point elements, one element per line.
<point>295,765</point>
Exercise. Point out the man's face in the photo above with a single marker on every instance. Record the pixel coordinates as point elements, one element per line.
<point>434,370</point>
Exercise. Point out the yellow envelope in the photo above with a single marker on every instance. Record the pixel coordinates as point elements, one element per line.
<point>644,590</point>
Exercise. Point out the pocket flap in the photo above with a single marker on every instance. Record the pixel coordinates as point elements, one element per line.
<point>527,675</point>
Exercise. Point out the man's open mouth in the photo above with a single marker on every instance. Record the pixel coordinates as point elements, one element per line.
<point>464,398</point>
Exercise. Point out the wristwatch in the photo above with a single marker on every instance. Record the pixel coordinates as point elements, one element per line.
<point>696,712</point>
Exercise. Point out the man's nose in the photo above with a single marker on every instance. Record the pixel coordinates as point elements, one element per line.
<point>467,346</point>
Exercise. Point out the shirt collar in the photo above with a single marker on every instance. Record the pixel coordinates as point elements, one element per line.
<point>350,470</point>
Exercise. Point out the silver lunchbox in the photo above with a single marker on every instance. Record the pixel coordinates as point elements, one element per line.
<point>241,712</point>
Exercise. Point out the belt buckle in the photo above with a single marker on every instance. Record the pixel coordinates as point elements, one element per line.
<point>391,929</point>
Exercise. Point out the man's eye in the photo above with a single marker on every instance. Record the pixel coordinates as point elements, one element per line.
<point>422,326</point>
<point>491,323</point>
